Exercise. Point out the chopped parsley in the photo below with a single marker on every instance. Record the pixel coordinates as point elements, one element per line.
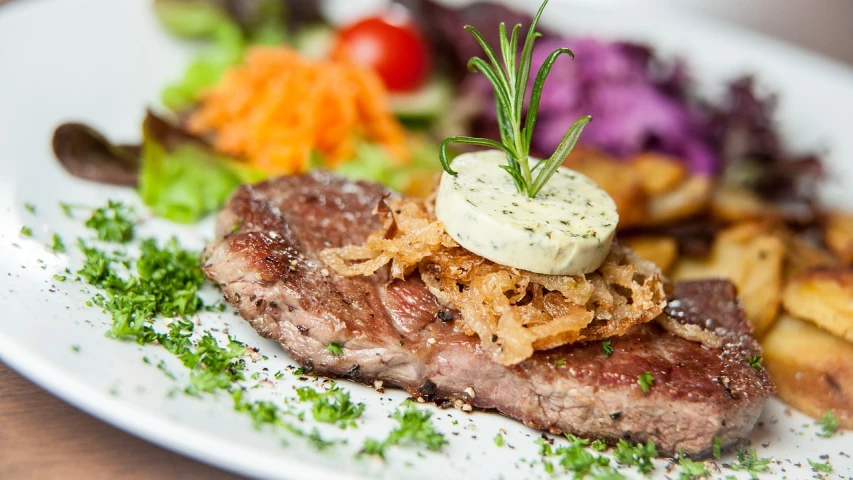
<point>691,470</point>
<point>26,231</point>
<point>577,459</point>
<point>606,347</point>
<point>58,246</point>
<point>414,427</point>
<point>30,208</point>
<point>298,372</point>
<point>828,424</point>
<point>638,455</point>
<point>499,440</point>
<point>821,467</point>
<point>59,278</point>
<point>67,209</point>
<point>599,445</point>
<point>755,362</point>
<point>75,348</point>
<point>332,406</point>
<point>335,349</point>
<point>165,369</point>
<point>560,362</point>
<point>112,223</point>
<point>717,448</point>
<point>163,281</point>
<point>278,375</point>
<point>748,461</point>
<point>646,381</point>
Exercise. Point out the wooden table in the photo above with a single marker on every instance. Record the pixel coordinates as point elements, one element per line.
<point>43,437</point>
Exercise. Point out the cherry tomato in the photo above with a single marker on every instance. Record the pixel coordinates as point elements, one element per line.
<point>391,45</point>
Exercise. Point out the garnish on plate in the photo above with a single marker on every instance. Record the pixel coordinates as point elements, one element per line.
<point>562,228</point>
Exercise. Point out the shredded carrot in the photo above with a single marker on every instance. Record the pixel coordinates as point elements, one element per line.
<point>276,108</point>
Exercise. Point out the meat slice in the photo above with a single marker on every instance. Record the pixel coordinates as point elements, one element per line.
<point>264,257</point>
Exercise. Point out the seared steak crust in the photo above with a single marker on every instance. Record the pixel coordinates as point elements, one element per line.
<point>264,257</point>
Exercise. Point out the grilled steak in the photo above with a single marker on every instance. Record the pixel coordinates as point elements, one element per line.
<point>264,257</point>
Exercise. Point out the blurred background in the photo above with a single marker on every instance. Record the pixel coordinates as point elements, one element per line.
<point>824,26</point>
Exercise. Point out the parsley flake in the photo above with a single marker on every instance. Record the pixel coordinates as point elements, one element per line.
<point>755,362</point>
<point>499,440</point>
<point>112,223</point>
<point>828,424</point>
<point>58,246</point>
<point>717,448</point>
<point>606,347</point>
<point>335,349</point>
<point>646,381</point>
<point>691,470</point>
<point>749,461</point>
<point>560,362</point>
<point>26,231</point>
<point>332,406</point>
<point>30,208</point>
<point>414,427</point>
<point>638,455</point>
<point>821,467</point>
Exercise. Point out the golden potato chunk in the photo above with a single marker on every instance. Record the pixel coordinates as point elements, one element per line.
<point>823,296</point>
<point>731,203</point>
<point>839,235</point>
<point>688,199</point>
<point>658,173</point>
<point>752,259</point>
<point>615,178</point>
<point>812,370</point>
<point>660,250</point>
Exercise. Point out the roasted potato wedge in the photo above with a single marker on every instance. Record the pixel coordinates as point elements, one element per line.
<point>839,235</point>
<point>618,180</point>
<point>823,296</point>
<point>752,259</point>
<point>660,250</point>
<point>733,204</point>
<point>658,173</point>
<point>689,198</point>
<point>812,369</point>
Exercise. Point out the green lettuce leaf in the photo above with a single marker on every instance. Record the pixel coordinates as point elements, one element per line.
<point>181,178</point>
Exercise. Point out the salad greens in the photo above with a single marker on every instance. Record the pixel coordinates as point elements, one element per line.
<point>182,178</point>
<point>199,20</point>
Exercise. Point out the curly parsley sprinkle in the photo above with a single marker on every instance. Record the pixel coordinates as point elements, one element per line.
<point>828,424</point>
<point>577,459</point>
<point>821,467</point>
<point>606,347</point>
<point>691,470</point>
<point>749,461</point>
<point>414,427</point>
<point>335,349</point>
<point>638,455</point>
<point>332,406</point>
<point>58,246</point>
<point>112,223</point>
<point>755,362</point>
<point>646,381</point>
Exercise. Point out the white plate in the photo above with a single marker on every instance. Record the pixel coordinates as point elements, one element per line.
<point>103,61</point>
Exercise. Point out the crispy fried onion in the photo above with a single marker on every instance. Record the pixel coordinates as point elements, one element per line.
<point>514,312</point>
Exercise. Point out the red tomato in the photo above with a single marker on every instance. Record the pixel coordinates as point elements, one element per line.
<point>393,47</point>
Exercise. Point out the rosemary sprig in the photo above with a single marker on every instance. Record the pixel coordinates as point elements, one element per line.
<point>510,84</point>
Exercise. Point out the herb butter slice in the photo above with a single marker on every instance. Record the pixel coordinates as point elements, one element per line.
<point>567,229</point>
